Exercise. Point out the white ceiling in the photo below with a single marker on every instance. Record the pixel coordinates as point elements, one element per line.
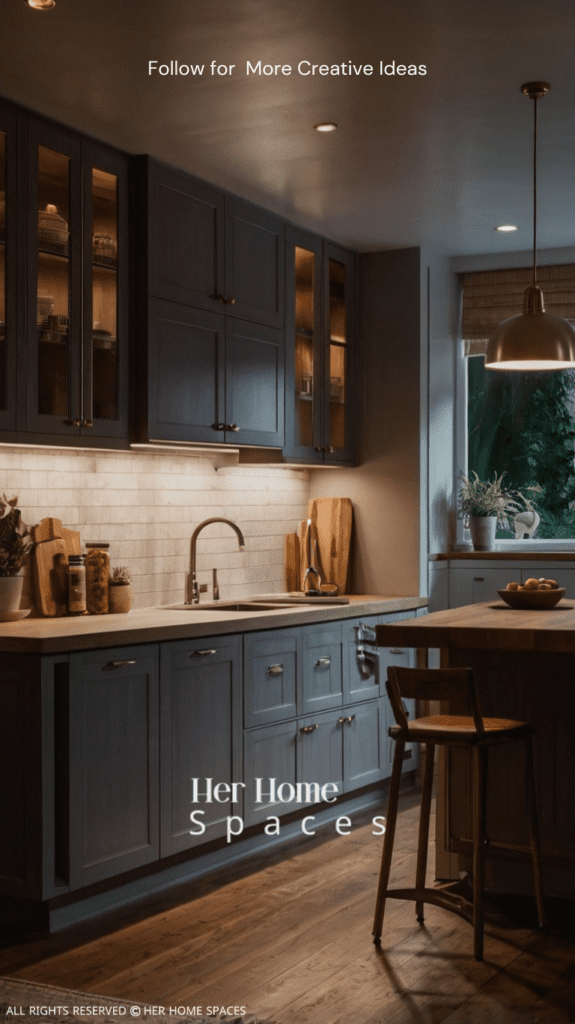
<point>437,159</point>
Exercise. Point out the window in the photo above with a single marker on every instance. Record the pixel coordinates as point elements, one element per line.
<point>521,424</point>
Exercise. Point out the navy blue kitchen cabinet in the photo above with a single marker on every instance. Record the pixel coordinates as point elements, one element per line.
<point>209,249</point>
<point>201,737</point>
<point>113,762</point>
<point>211,314</point>
<point>99,750</point>
<point>65,279</point>
<point>212,378</point>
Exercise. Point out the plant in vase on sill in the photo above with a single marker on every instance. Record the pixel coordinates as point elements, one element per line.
<point>483,504</point>
<point>15,546</point>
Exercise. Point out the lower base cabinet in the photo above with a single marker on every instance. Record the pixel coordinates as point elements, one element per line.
<point>100,749</point>
<point>113,763</point>
<point>201,737</point>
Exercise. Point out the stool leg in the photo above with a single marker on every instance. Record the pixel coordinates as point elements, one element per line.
<point>534,831</point>
<point>479,838</point>
<point>424,825</point>
<point>389,837</point>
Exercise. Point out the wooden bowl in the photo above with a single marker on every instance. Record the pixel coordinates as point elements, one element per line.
<point>532,598</point>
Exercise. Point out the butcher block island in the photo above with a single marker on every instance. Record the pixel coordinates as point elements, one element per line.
<point>138,751</point>
<point>524,667</point>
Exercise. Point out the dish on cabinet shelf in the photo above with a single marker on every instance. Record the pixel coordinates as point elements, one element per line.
<point>52,230</point>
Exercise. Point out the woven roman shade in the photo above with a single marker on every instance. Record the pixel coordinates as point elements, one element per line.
<point>490,296</point>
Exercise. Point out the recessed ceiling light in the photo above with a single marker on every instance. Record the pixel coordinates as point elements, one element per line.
<point>507,227</point>
<point>325,126</point>
<point>41,5</point>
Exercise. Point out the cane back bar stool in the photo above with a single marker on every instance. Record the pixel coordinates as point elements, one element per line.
<point>474,732</point>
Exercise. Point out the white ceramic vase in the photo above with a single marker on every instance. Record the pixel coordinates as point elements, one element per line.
<point>482,531</point>
<point>10,594</point>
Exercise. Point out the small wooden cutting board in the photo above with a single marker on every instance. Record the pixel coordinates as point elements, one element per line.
<point>53,544</point>
<point>291,563</point>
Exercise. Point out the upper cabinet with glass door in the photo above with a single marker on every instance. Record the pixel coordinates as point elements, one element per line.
<point>11,348</point>
<point>77,283</point>
<point>320,283</point>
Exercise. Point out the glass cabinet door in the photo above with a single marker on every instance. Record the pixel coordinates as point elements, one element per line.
<point>54,268</point>
<point>306,380</point>
<point>9,328</point>
<point>338,390</point>
<point>104,395</point>
<point>304,344</point>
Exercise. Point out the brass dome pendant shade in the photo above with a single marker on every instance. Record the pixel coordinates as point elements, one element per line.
<point>534,340</point>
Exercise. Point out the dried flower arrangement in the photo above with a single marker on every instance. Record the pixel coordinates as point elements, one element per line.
<point>15,539</point>
<point>121,576</point>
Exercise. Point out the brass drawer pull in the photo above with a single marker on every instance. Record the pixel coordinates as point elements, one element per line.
<point>323,662</point>
<point>118,664</point>
<point>308,728</point>
<point>201,654</point>
<point>275,670</point>
<point>347,720</point>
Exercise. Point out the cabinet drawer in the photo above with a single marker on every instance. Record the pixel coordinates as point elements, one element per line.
<point>322,669</point>
<point>272,667</point>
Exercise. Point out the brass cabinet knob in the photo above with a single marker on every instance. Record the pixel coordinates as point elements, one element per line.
<point>275,670</point>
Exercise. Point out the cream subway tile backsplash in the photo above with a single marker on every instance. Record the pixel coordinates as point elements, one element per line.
<point>147,506</point>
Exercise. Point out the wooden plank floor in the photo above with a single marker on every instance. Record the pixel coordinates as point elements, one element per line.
<point>288,936</point>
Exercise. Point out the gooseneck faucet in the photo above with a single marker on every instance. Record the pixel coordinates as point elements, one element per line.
<point>194,597</point>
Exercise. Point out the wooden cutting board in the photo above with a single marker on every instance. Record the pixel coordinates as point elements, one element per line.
<point>53,543</point>
<point>291,562</point>
<point>303,538</point>
<point>332,519</point>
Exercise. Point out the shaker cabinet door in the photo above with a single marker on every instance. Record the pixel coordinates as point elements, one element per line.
<point>113,766</point>
<point>254,384</point>
<point>186,238</point>
<point>201,723</point>
<point>186,374</point>
<point>255,263</point>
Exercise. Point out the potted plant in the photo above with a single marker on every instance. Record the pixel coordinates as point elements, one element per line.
<point>485,503</point>
<point>15,546</point>
<point>119,589</point>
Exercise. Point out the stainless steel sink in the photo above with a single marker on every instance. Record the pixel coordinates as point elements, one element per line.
<point>227,606</point>
<point>258,604</point>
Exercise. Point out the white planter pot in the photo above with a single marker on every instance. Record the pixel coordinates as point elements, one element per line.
<point>10,594</point>
<point>119,598</point>
<point>482,531</point>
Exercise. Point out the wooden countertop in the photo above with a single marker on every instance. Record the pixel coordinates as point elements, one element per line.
<point>148,625</point>
<point>489,626</point>
<point>505,556</point>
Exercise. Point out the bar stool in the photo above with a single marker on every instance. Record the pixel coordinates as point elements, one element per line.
<point>474,732</point>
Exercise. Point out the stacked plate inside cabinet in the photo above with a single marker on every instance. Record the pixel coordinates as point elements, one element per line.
<point>103,339</point>
<point>52,231</point>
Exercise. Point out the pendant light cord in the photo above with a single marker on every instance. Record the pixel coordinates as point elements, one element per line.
<point>535,189</point>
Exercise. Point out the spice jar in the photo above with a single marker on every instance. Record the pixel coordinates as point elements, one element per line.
<point>97,573</point>
<point>76,585</point>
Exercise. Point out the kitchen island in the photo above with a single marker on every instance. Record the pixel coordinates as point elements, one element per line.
<point>524,667</point>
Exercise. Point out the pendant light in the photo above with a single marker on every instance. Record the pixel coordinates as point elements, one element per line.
<point>534,340</point>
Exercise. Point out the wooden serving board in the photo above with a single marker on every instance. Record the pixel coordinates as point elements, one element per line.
<point>291,563</point>
<point>53,544</point>
<point>331,519</point>
<point>303,538</point>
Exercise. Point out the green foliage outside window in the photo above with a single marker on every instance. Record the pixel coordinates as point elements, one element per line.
<point>523,425</point>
